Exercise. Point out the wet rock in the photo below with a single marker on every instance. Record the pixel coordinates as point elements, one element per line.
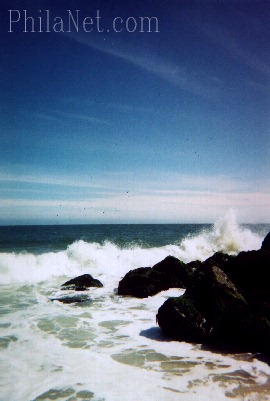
<point>219,259</point>
<point>193,316</point>
<point>249,331</point>
<point>147,281</point>
<point>229,304</point>
<point>70,299</point>
<point>81,283</point>
<point>214,294</point>
<point>266,243</point>
<point>175,274</point>
<point>250,272</point>
<point>180,319</point>
<point>141,283</point>
<point>195,264</point>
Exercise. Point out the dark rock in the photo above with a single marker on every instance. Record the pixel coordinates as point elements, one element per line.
<point>195,264</point>
<point>141,283</point>
<point>250,272</point>
<point>72,299</point>
<point>81,283</point>
<point>249,331</point>
<point>219,259</point>
<point>175,274</point>
<point>266,243</point>
<point>147,281</point>
<point>179,318</point>
<point>229,304</point>
<point>193,316</point>
<point>214,294</point>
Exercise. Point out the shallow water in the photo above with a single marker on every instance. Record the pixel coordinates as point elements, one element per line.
<point>109,347</point>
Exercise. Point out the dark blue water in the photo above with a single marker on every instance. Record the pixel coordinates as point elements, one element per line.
<point>39,239</point>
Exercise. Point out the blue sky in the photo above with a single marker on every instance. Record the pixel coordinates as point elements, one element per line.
<point>120,127</point>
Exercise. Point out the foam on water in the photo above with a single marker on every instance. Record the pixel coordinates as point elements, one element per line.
<point>112,349</point>
<point>109,347</point>
<point>111,262</point>
<point>226,236</point>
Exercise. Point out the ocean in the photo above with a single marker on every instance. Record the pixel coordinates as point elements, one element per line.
<point>109,347</point>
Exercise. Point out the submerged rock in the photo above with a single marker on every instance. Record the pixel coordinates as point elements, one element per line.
<point>147,281</point>
<point>69,299</point>
<point>81,283</point>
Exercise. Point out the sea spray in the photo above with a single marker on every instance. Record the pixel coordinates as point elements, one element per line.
<point>109,348</point>
<point>109,261</point>
<point>226,236</point>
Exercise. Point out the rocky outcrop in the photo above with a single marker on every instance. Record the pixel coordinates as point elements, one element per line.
<point>147,281</point>
<point>141,283</point>
<point>250,272</point>
<point>180,319</point>
<point>226,302</point>
<point>219,259</point>
<point>266,243</point>
<point>214,294</point>
<point>175,274</point>
<point>195,315</point>
<point>81,283</point>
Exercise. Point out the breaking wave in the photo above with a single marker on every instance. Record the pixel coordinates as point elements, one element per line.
<point>111,261</point>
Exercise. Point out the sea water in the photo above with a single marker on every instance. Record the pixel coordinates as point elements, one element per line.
<point>109,347</point>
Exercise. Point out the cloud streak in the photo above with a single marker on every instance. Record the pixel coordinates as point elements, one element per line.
<point>145,200</point>
<point>61,117</point>
<point>82,117</point>
<point>193,82</point>
<point>233,46</point>
<point>177,208</point>
<point>155,182</point>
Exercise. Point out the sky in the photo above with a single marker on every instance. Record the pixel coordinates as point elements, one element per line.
<point>106,117</point>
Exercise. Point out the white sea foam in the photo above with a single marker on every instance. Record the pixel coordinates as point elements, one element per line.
<point>110,262</point>
<point>110,345</point>
<point>113,349</point>
<point>226,236</point>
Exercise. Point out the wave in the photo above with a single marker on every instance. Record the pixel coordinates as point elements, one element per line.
<point>110,262</point>
<point>226,236</point>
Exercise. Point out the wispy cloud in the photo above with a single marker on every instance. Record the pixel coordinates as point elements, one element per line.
<point>117,198</point>
<point>181,207</point>
<point>54,180</point>
<point>62,117</point>
<point>194,82</point>
<point>82,117</point>
<point>235,47</point>
<point>43,116</point>
<point>153,182</point>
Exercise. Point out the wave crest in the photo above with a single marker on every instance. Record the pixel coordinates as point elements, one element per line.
<point>226,236</point>
<point>109,262</point>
